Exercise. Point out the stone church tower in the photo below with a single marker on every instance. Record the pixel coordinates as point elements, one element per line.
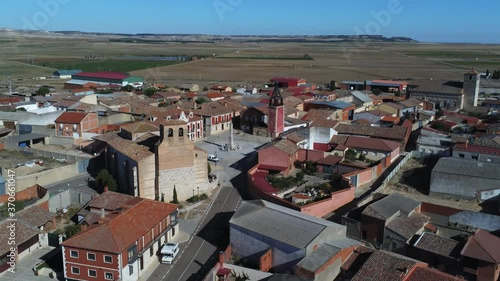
<point>471,88</point>
<point>179,163</point>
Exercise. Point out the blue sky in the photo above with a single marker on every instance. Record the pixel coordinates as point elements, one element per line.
<point>424,20</point>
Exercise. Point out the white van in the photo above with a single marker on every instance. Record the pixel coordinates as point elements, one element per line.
<point>169,252</point>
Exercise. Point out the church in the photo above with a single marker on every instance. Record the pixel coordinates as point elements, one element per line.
<point>149,162</point>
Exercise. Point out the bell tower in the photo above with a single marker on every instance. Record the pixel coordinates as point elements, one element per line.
<point>276,121</point>
<point>472,80</point>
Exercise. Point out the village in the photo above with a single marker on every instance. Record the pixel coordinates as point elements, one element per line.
<point>345,180</point>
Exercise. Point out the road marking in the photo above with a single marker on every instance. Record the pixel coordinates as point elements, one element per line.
<point>191,262</point>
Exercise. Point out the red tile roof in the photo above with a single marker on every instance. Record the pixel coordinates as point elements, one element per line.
<point>430,274</point>
<point>103,74</point>
<point>385,266</point>
<point>71,117</point>
<point>483,246</point>
<point>366,143</point>
<point>120,232</point>
<point>477,149</point>
<point>391,119</point>
<point>330,160</point>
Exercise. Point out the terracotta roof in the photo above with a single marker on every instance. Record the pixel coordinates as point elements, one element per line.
<point>292,101</point>
<point>110,200</point>
<point>128,148</point>
<point>391,119</point>
<point>483,246</point>
<point>330,160</point>
<point>431,274</point>
<point>69,117</point>
<point>65,103</point>
<point>140,127</point>
<point>215,95</point>
<point>232,104</point>
<point>24,232</point>
<point>212,109</point>
<point>477,149</point>
<point>407,226</point>
<point>394,133</point>
<point>354,262</point>
<point>437,244</point>
<point>385,266</point>
<point>320,118</point>
<point>295,137</point>
<point>301,196</point>
<point>284,145</point>
<point>367,143</point>
<point>120,232</point>
<point>35,216</point>
<point>102,74</point>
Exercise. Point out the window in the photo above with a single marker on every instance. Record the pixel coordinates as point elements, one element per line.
<point>91,256</point>
<point>181,132</point>
<point>61,126</point>
<point>170,133</point>
<point>475,157</point>
<point>75,270</point>
<point>92,273</point>
<point>461,155</point>
<point>73,253</point>
<point>151,251</point>
<point>108,259</point>
<point>108,276</point>
<point>131,269</point>
<point>75,127</point>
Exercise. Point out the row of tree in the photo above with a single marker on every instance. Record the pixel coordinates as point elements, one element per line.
<point>494,75</point>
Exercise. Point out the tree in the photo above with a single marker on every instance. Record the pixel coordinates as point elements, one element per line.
<point>104,178</point>
<point>205,89</point>
<point>376,92</point>
<point>128,88</point>
<point>21,109</point>
<point>42,91</point>
<point>351,154</point>
<point>201,100</point>
<point>149,92</point>
<point>71,230</point>
<point>398,94</point>
<point>487,73</point>
<point>175,200</point>
<point>209,168</point>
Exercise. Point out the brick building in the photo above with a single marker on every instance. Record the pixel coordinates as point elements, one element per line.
<point>75,124</point>
<point>120,245</point>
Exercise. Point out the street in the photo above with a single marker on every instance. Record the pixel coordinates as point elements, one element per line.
<point>199,254</point>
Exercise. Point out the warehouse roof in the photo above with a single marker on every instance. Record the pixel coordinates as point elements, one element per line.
<point>471,168</point>
<point>279,223</point>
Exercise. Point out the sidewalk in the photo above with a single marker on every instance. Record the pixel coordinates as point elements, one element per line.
<point>24,268</point>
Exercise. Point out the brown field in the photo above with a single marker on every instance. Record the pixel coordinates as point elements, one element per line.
<point>257,62</point>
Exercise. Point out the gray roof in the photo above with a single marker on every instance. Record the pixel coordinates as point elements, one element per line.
<point>324,253</point>
<point>361,96</point>
<point>476,220</point>
<point>41,119</point>
<point>67,71</point>
<point>464,167</point>
<point>26,137</point>
<point>280,223</point>
<point>390,205</point>
<point>14,116</point>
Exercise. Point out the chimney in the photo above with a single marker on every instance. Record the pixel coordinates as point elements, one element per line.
<point>221,259</point>
<point>105,189</point>
<point>103,214</point>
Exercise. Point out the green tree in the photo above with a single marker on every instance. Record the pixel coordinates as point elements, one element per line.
<point>42,91</point>
<point>376,92</point>
<point>487,73</point>
<point>351,154</point>
<point>21,109</point>
<point>201,100</point>
<point>209,168</point>
<point>205,89</point>
<point>398,94</point>
<point>149,92</point>
<point>104,178</point>
<point>128,88</point>
<point>71,230</point>
<point>175,200</point>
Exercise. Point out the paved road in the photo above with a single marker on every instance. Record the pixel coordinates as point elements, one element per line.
<point>200,253</point>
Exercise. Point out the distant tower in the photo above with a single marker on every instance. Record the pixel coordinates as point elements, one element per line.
<point>471,88</point>
<point>276,121</point>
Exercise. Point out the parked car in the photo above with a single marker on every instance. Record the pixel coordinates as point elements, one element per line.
<point>169,251</point>
<point>212,158</point>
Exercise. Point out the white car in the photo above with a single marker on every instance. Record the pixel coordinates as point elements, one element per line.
<point>213,158</point>
<point>169,252</point>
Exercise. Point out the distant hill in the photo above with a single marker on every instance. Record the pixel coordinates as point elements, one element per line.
<point>202,38</point>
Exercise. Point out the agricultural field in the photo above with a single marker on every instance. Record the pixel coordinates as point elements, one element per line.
<point>234,61</point>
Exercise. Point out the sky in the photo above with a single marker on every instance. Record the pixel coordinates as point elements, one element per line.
<point>423,20</point>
